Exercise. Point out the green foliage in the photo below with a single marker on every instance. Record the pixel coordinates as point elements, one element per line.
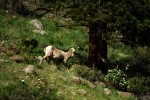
<point>117,78</point>
<point>18,29</point>
<point>143,29</point>
<point>139,85</point>
<point>20,90</point>
<point>92,75</point>
<point>123,16</point>
<point>119,52</point>
<point>129,15</point>
<point>130,18</point>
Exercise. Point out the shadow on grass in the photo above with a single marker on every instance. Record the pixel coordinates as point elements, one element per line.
<point>78,59</point>
<point>140,67</point>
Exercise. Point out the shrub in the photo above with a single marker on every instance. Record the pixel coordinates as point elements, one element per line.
<point>139,85</point>
<point>117,78</point>
<point>90,74</point>
<point>21,91</point>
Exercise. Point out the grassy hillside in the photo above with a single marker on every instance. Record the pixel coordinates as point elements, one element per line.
<point>47,81</point>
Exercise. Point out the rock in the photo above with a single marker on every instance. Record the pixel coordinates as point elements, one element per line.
<point>37,24</point>
<point>17,58</point>
<point>3,49</point>
<point>41,32</point>
<point>2,43</point>
<point>125,94</point>
<point>90,84</point>
<point>2,54</point>
<point>39,27</point>
<point>73,93</point>
<point>3,60</point>
<point>29,69</point>
<point>101,84</point>
<point>76,79</point>
<point>59,93</point>
<point>81,91</point>
<point>107,91</point>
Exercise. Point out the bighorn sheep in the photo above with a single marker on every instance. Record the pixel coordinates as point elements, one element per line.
<point>52,52</point>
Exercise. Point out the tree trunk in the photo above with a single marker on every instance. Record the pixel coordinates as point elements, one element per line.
<point>97,46</point>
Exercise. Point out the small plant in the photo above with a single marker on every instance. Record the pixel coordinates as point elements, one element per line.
<point>117,78</point>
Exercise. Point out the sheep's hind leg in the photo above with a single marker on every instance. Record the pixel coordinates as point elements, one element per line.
<point>48,59</point>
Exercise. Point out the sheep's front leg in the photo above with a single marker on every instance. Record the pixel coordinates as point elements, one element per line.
<point>65,60</point>
<point>65,63</point>
<point>43,59</point>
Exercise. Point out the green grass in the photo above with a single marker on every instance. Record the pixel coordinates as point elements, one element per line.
<point>50,83</point>
<point>14,30</point>
<point>120,53</point>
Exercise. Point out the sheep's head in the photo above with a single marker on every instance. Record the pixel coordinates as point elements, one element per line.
<point>72,50</point>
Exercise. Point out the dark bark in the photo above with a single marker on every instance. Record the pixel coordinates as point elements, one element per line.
<point>97,46</point>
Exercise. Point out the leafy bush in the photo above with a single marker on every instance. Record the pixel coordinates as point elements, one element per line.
<point>120,53</point>
<point>139,85</point>
<point>117,78</point>
<point>90,74</point>
<point>21,91</point>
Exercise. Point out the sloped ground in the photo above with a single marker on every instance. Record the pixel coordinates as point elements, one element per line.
<point>48,82</point>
